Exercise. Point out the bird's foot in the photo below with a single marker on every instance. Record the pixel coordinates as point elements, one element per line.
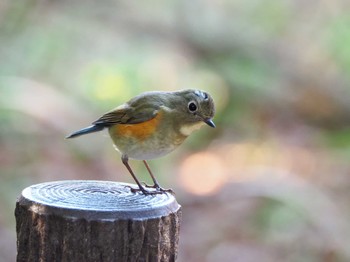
<point>159,188</point>
<point>145,191</point>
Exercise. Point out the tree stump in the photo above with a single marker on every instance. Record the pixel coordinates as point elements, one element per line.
<point>83,220</point>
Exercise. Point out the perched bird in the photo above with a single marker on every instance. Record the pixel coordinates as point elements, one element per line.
<point>152,125</point>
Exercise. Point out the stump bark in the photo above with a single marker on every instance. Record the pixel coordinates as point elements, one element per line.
<point>79,220</point>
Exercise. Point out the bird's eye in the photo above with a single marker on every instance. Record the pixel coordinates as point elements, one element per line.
<point>192,107</point>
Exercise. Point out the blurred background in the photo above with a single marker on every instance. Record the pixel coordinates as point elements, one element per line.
<point>270,183</point>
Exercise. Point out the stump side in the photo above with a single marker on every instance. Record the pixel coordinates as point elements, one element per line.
<point>52,232</point>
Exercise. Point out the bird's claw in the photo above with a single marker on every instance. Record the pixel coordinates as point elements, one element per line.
<point>159,188</point>
<point>144,191</point>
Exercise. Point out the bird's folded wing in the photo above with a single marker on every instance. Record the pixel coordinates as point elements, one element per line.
<point>127,115</point>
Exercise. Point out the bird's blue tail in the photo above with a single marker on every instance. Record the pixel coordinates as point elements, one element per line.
<point>86,130</point>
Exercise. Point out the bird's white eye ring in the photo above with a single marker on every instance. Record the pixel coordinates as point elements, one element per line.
<point>192,106</point>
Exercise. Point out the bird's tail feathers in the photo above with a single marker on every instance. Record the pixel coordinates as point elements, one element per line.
<point>86,130</point>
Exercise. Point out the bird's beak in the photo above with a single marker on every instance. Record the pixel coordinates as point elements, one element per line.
<point>209,122</point>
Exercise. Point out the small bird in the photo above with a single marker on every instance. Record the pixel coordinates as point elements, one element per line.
<point>152,125</point>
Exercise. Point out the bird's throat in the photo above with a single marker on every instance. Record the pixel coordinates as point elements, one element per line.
<point>186,130</point>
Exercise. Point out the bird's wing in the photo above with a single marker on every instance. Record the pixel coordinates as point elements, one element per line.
<point>127,115</point>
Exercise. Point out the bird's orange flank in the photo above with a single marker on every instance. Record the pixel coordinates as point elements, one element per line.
<point>139,131</point>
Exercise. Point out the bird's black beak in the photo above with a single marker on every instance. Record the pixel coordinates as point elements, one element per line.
<point>209,122</point>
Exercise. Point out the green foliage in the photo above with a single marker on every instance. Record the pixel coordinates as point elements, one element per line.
<point>337,36</point>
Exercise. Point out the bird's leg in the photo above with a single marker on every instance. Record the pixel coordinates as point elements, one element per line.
<point>125,161</point>
<point>155,182</point>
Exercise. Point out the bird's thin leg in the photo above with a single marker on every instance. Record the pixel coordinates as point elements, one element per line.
<point>155,182</point>
<point>125,161</point>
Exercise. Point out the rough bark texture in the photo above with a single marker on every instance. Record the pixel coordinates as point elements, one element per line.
<point>95,221</point>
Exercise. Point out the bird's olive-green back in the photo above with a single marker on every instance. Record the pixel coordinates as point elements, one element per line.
<point>146,106</point>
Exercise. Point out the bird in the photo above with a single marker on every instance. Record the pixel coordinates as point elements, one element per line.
<point>153,124</point>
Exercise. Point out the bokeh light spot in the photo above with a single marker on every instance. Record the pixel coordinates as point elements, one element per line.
<point>109,85</point>
<point>203,173</point>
